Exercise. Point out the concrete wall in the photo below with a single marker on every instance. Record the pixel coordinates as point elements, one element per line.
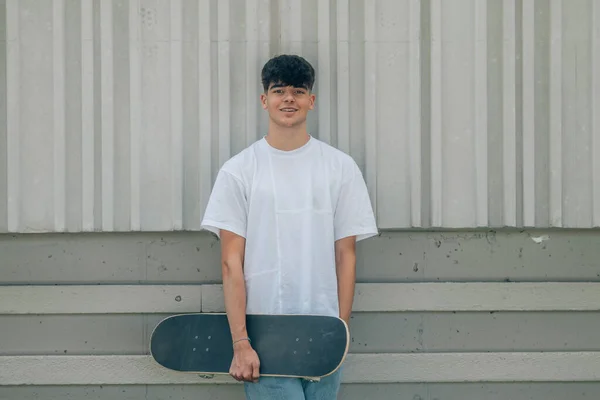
<point>462,114</point>
<point>438,315</point>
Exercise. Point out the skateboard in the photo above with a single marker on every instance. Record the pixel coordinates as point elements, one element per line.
<point>304,346</point>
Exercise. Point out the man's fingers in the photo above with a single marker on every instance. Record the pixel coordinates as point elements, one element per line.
<point>248,371</point>
<point>235,373</point>
<point>255,371</point>
<point>248,374</point>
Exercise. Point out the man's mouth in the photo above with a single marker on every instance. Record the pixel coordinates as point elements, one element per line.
<point>288,109</point>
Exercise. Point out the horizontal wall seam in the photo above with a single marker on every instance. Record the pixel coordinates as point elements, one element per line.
<point>383,368</point>
<point>369,297</point>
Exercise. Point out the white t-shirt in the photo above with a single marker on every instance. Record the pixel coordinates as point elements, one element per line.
<point>291,206</point>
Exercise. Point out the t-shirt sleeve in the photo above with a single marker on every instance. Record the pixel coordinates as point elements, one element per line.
<point>354,214</point>
<point>227,206</point>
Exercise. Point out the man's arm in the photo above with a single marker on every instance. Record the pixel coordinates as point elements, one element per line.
<point>234,287</point>
<point>245,363</point>
<point>345,262</point>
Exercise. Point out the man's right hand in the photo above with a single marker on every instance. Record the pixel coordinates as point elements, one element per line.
<point>245,364</point>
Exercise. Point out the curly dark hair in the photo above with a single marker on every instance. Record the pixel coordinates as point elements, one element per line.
<point>288,70</point>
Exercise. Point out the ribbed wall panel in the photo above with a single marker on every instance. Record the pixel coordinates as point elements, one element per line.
<point>117,114</point>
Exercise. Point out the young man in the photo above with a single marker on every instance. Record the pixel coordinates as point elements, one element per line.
<point>288,210</point>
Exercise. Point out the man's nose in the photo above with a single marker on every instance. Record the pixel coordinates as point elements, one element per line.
<point>288,96</point>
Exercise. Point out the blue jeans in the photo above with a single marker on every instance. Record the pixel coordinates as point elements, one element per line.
<point>275,388</point>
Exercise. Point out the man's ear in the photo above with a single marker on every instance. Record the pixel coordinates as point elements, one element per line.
<point>263,100</point>
<point>312,100</point>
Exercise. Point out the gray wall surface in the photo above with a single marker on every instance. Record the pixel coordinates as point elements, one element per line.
<point>393,259</point>
<point>460,113</point>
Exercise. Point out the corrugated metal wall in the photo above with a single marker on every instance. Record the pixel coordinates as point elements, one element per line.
<point>461,113</point>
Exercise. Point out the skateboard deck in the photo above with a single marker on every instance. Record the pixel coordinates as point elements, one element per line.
<point>307,346</point>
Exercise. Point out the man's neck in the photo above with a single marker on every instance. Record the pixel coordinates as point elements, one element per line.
<point>287,139</point>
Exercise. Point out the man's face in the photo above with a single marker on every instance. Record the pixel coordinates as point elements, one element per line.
<point>287,106</point>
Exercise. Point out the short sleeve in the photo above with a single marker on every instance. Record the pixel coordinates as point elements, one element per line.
<point>227,206</point>
<point>354,214</point>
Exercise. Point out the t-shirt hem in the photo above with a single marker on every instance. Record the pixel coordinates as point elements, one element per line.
<point>360,234</point>
<point>216,227</point>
